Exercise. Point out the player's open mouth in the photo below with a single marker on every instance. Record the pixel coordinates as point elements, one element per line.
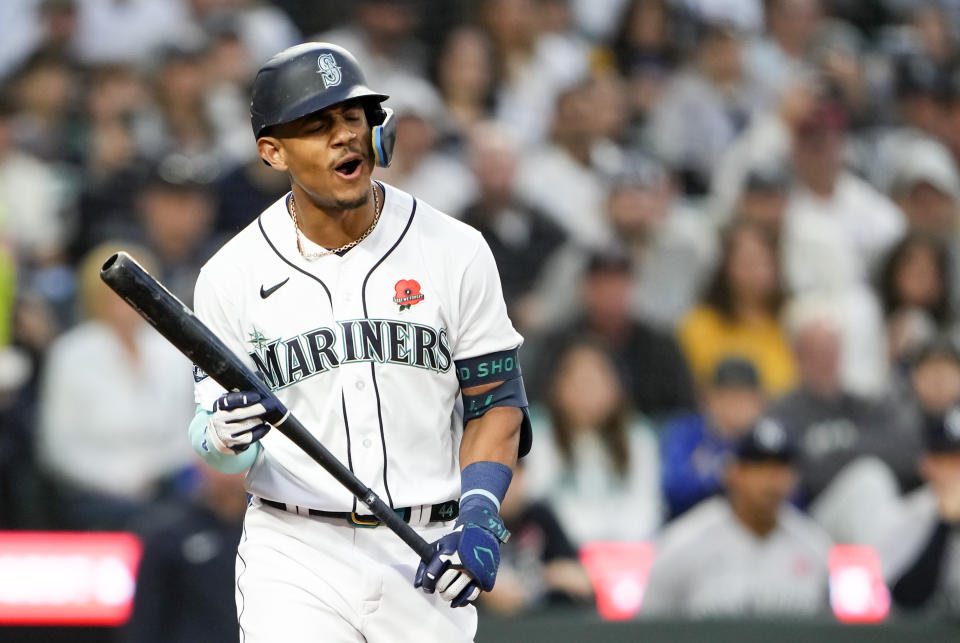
<point>349,169</point>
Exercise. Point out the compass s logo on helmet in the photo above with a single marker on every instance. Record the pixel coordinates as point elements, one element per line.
<point>329,70</point>
<point>310,77</point>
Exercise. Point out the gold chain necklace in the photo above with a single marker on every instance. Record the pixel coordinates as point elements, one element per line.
<point>343,248</point>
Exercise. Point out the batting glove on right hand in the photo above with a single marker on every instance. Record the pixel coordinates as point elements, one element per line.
<point>466,559</point>
<point>238,421</point>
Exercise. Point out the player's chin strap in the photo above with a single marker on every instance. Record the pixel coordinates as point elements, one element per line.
<point>383,137</point>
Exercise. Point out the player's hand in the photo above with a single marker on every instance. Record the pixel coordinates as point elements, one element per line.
<point>238,421</point>
<point>465,560</point>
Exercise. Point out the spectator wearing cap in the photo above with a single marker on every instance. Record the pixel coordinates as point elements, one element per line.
<point>695,447</point>
<point>673,247</point>
<point>655,375</point>
<point>177,210</point>
<point>921,554</point>
<point>926,187</point>
<point>523,239</point>
<point>596,463</point>
<point>739,312</point>
<point>921,90</point>
<point>832,426</point>
<point>763,201</point>
<point>748,552</point>
<point>839,227</point>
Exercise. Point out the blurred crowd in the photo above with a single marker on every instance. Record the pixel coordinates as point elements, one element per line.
<point>727,229</point>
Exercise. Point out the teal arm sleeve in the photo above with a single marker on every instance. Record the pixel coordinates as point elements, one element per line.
<point>222,462</point>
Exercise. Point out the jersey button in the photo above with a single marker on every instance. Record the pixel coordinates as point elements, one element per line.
<point>367,442</point>
<point>360,385</point>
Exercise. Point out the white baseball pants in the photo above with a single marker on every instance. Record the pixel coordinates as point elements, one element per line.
<point>309,579</point>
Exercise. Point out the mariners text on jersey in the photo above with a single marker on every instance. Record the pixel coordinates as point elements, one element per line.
<point>385,341</point>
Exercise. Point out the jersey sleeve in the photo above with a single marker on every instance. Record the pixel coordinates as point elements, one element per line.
<point>214,311</point>
<point>484,325</point>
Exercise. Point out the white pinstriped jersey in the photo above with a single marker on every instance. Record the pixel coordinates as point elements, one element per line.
<point>360,347</point>
<point>709,564</point>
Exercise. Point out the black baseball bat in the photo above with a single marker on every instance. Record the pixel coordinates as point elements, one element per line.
<point>177,323</point>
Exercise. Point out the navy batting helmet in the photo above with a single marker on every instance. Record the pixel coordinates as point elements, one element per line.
<point>310,77</point>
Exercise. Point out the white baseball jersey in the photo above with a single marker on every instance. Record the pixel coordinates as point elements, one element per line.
<point>360,347</point>
<point>709,564</point>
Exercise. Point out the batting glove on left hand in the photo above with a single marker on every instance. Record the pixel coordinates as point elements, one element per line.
<point>466,559</point>
<point>239,420</point>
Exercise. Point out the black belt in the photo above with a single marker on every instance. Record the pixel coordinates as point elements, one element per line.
<point>438,513</point>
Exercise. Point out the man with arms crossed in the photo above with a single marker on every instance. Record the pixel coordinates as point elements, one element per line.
<point>369,313</point>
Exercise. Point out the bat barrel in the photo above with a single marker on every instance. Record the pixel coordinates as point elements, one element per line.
<point>177,323</point>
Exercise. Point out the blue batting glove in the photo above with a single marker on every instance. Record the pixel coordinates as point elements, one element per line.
<point>466,560</point>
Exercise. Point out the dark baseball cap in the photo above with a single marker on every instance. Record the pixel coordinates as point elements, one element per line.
<point>918,74</point>
<point>735,372</point>
<point>940,346</point>
<point>610,260</point>
<point>766,440</point>
<point>941,433</point>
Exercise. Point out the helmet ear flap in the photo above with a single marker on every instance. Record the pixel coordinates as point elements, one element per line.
<point>384,136</point>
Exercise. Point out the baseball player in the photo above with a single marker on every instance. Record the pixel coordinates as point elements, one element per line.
<point>750,553</point>
<point>380,323</point>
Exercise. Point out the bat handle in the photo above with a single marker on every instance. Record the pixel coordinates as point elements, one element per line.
<point>291,427</point>
<point>392,519</point>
